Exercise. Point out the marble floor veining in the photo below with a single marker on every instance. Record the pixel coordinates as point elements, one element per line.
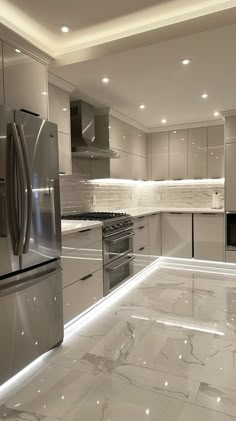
<point>163,351</point>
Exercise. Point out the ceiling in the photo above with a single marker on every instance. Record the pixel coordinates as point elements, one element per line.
<point>154,76</point>
<point>95,22</point>
<point>138,44</point>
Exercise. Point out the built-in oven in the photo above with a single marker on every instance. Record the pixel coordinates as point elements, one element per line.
<point>117,245</point>
<point>117,272</point>
<point>230,230</point>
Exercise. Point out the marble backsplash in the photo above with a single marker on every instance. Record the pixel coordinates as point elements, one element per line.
<point>80,196</point>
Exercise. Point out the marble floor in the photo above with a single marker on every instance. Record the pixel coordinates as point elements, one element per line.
<point>164,350</point>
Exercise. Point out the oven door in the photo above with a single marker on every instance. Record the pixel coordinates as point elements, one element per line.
<point>117,272</point>
<point>118,245</point>
<point>230,230</point>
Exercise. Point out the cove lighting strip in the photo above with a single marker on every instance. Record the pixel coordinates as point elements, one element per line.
<point>200,182</point>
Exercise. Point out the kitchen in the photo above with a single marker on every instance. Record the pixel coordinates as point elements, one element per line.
<point>145,169</point>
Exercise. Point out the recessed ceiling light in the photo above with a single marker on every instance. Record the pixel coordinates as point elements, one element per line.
<point>205,95</point>
<point>186,61</point>
<point>64,109</point>
<point>65,29</point>
<point>17,50</point>
<point>142,106</point>
<point>44,93</point>
<point>164,121</point>
<point>174,131</point>
<point>105,79</point>
<point>216,113</point>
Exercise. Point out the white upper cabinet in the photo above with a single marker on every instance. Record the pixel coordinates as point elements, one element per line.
<point>138,142</point>
<point>230,177</point>
<point>59,108</point>
<point>216,151</point>
<point>1,76</point>
<point>25,82</point>
<point>120,135</point>
<point>158,156</point>
<point>138,167</point>
<point>197,153</point>
<point>121,168</point>
<point>178,155</point>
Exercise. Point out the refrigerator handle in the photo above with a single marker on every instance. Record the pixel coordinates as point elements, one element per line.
<point>16,167</point>
<point>10,189</point>
<point>3,216</point>
<point>29,188</point>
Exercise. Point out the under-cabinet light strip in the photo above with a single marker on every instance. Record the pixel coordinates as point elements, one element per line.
<point>203,181</point>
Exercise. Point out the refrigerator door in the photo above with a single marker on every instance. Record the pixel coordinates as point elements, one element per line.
<point>31,317</point>
<point>43,224</point>
<point>8,261</point>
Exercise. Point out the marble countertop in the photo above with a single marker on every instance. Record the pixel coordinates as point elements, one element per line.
<point>136,212</point>
<point>69,227</point>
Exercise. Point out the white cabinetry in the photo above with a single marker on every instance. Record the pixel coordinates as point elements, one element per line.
<point>230,177</point>
<point>159,156</point>
<point>1,76</point>
<point>154,234</point>
<point>216,151</point>
<point>83,294</point>
<point>82,271</point>
<point>209,237</point>
<point>177,235</point>
<point>178,154</point>
<point>59,113</point>
<point>121,168</point>
<point>197,153</point>
<point>25,82</point>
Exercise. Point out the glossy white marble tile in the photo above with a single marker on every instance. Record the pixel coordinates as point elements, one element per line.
<point>217,398</point>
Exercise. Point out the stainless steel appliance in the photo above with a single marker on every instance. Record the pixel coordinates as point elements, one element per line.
<point>117,246</point>
<point>230,231</point>
<point>31,317</point>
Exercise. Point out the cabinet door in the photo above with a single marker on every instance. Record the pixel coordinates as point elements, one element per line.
<point>138,167</point>
<point>230,177</point>
<point>25,82</point>
<point>121,168</point>
<point>209,237</point>
<point>154,234</point>
<point>197,153</point>
<point>159,156</point>
<point>81,295</point>
<point>138,142</point>
<point>120,135</point>
<point>1,76</point>
<point>59,108</point>
<point>64,149</point>
<point>178,155</point>
<point>177,235</point>
<point>216,152</point>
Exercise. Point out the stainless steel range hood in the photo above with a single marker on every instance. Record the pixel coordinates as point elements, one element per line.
<point>90,132</point>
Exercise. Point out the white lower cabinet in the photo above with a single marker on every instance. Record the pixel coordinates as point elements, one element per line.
<point>209,237</point>
<point>82,294</point>
<point>140,237</point>
<point>177,235</point>
<point>154,234</point>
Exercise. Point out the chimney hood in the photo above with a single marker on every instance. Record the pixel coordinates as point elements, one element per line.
<point>90,132</point>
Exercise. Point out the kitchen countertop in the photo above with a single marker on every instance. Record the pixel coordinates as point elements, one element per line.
<point>136,212</point>
<point>69,227</point>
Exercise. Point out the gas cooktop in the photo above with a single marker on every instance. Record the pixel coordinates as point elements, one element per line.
<point>95,216</point>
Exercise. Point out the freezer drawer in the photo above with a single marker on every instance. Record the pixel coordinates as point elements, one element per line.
<point>31,318</point>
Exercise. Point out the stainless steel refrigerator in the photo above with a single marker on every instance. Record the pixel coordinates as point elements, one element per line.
<point>31,315</point>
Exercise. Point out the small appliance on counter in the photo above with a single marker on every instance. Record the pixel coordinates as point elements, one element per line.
<point>216,201</point>
<point>117,245</point>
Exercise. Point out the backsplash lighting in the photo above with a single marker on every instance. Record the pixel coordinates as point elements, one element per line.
<point>77,195</point>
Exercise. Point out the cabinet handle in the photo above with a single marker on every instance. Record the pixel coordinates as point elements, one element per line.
<point>141,228</point>
<point>208,214</point>
<point>140,217</point>
<point>86,277</point>
<point>153,214</point>
<point>176,213</point>
<point>142,248</point>
<point>85,230</point>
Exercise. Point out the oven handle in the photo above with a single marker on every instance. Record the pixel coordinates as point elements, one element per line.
<point>120,265</point>
<point>120,239</point>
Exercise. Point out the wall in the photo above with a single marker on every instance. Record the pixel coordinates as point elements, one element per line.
<point>77,195</point>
